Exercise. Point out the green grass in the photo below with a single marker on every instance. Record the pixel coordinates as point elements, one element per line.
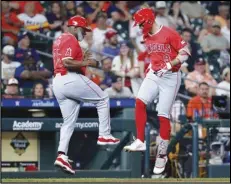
<point>115,180</point>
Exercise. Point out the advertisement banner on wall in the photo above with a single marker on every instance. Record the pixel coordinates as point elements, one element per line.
<point>19,149</point>
<point>54,124</point>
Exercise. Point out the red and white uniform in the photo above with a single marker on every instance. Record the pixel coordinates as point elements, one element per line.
<point>162,80</point>
<point>66,46</point>
<point>163,47</point>
<point>70,88</point>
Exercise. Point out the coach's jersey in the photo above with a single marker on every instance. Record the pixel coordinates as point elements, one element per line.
<point>66,46</point>
<point>163,47</point>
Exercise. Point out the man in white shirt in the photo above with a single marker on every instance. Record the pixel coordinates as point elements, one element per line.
<point>225,84</point>
<point>161,17</point>
<point>31,20</point>
<point>118,90</point>
<point>100,31</point>
<point>8,66</point>
<point>99,35</point>
<point>215,41</point>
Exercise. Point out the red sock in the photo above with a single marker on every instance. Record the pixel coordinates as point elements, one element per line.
<point>141,118</point>
<point>165,128</point>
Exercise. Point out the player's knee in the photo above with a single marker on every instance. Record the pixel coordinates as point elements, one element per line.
<point>165,128</point>
<point>140,104</point>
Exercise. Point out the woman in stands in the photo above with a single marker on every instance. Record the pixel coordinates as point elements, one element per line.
<point>38,91</point>
<point>126,66</point>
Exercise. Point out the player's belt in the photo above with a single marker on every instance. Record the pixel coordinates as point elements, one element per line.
<point>60,73</point>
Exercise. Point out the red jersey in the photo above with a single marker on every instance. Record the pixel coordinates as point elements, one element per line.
<point>11,21</point>
<point>163,47</point>
<point>66,46</point>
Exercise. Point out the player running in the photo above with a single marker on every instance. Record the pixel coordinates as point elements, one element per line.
<point>71,87</point>
<point>167,52</point>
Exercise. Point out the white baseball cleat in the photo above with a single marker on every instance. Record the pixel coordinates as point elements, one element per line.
<point>160,164</point>
<point>63,162</point>
<point>161,156</point>
<point>107,140</point>
<point>159,176</point>
<point>137,145</point>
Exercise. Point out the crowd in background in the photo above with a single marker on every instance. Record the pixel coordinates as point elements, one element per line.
<point>205,26</point>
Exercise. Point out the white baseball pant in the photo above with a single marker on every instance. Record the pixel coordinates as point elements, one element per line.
<point>70,90</point>
<point>166,87</point>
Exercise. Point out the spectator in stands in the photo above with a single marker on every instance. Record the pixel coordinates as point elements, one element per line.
<point>197,76</point>
<point>99,33</point>
<point>177,17</point>
<point>87,41</point>
<point>195,49</point>
<point>70,9</point>
<point>161,14</point>
<point>24,49</point>
<point>193,9</point>
<point>108,74</point>
<point>10,24</point>
<point>212,6</point>
<point>207,27</point>
<point>120,20</point>
<point>215,41</point>
<point>19,6</point>
<point>56,18</point>
<point>92,9</point>
<point>80,10</point>
<point>38,91</point>
<point>12,89</point>
<point>8,66</point>
<point>195,12</point>
<point>33,21</point>
<point>29,72</point>
<point>223,11</point>
<point>225,84</point>
<point>226,30</point>
<point>111,45</point>
<point>201,105</point>
<point>118,90</point>
<point>126,66</point>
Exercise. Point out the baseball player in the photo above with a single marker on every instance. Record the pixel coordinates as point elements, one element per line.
<point>167,52</point>
<point>71,87</point>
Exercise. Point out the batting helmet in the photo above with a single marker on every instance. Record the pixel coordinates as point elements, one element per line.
<point>78,21</point>
<point>145,17</point>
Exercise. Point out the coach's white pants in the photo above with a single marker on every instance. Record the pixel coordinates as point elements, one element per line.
<point>70,90</point>
<point>166,87</point>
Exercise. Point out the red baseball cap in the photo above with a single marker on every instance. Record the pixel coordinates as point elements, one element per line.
<point>110,34</point>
